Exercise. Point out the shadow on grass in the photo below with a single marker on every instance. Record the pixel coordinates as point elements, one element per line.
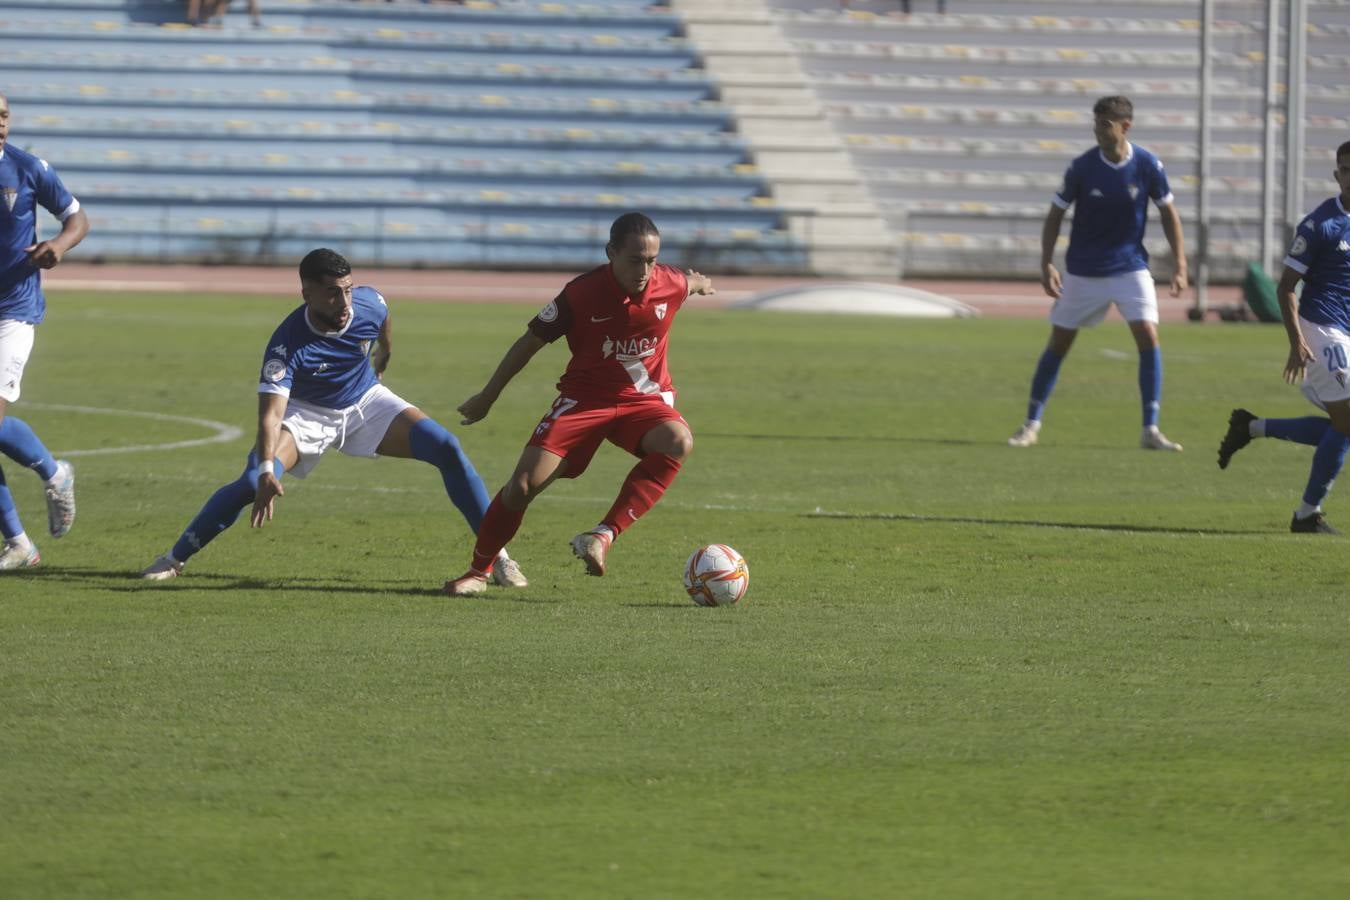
<point>846,438</point>
<point>1035,523</point>
<point>130,582</point>
<point>904,439</point>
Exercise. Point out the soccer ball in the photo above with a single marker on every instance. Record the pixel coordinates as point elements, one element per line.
<point>716,575</point>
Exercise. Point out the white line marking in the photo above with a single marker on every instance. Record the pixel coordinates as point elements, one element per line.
<point>223,432</point>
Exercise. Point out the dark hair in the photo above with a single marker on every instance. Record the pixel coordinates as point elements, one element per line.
<point>1117,108</point>
<point>324,263</point>
<point>630,224</point>
<point>1343,150</point>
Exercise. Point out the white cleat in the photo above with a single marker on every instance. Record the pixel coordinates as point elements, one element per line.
<point>591,547</point>
<point>19,556</point>
<point>61,500</point>
<point>466,585</point>
<point>1153,439</point>
<point>163,568</point>
<point>1025,436</point>
<point>506,573</point>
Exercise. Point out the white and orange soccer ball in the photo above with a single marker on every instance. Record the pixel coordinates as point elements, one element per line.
<point>716,575</point>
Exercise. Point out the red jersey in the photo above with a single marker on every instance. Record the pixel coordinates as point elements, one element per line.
<point>618,345</point>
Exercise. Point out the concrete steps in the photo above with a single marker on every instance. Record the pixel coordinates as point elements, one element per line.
<point>794,146</point>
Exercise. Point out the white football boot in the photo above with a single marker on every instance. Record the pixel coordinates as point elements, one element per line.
<point>61,500</point>
<point>19,555</point>
<point>1025,436</point>
<point>506,573</point>
<point>1153,439</point>
<point>163,568</point>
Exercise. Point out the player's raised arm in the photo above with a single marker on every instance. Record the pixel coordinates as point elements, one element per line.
<point>1299,352</point>
<point>517,357</point>
<point>271,408</point>
<point>1050,279</point>
<point>698,283</point>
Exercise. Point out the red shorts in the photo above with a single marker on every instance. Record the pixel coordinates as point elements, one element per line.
<point>574,429</point>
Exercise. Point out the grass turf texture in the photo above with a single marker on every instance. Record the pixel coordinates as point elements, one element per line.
<point>962,670</point>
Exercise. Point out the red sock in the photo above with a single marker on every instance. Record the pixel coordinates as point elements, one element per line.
<point>499,526</point>
<point>641,489</point>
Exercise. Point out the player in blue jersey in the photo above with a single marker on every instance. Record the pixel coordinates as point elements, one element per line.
<point>1318,327</point>
<point>319,390</point>
<point>26,183</point>
<point>1109,187</point>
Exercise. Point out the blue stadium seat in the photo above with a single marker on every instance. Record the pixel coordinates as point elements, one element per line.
<point>414,133</point>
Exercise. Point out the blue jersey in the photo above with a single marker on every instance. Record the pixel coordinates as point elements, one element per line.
<point>329,369</point>
<point>26,182</point>
<point>1321,254</point>
<point>1111,209</point>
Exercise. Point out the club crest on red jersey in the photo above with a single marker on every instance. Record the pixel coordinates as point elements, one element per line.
<point>660,310</point>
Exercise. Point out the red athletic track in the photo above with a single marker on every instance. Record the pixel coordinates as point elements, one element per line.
<point>1013,299</point>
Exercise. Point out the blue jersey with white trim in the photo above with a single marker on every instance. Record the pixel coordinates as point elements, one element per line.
<point>326,369</point>
<point>26,182</point>
<point>1110,210</point>
<point>1321,254</point>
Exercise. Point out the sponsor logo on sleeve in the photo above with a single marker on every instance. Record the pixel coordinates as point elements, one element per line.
<point>274,370</point>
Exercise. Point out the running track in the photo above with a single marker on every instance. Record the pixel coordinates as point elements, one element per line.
<point>1011,299</point>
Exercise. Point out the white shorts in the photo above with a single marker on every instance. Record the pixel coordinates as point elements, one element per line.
<point>356,430</point>
<point>1328,373</point>
<point>1084,301</point>
<point>16,344</point>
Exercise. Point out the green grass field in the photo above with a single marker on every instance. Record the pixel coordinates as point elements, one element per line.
<point>962,670</point>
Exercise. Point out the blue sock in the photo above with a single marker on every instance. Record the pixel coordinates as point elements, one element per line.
<point>1326,465</point>
<point>18,442</point>
<point>1309,430</point>
<point>1042,383</point>
<point>9,515</point>
<point>431,443</point>
<point>221,511</point>
<point>1150,384</point>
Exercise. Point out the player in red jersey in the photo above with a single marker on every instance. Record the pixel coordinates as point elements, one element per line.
<point>616,387</point>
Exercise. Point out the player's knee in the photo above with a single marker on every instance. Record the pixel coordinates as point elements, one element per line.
<point>517,492</point>
<point>432,442</point>
<point>681,446</point>
<point>670,440</point>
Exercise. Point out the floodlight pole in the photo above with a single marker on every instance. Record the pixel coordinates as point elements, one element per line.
<point>1271,106</point>
<point>1202,206</point>
<point>1294,132</point>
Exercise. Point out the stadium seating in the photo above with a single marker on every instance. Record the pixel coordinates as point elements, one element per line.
<point>849,141</point>
<point>960,124</point>
<point>408,133</point>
